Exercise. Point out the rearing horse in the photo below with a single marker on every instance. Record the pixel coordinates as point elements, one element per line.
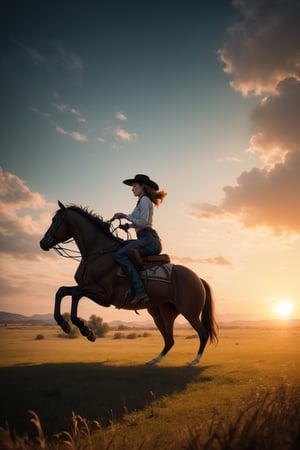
<point>98,278</point>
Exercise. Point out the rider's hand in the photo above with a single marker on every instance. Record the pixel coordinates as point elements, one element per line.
<point>119,215</point>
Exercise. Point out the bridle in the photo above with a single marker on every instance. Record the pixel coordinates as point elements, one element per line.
<point>50,240</point>
<point>66,252</point>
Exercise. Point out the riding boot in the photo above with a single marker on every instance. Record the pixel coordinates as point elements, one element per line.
<point>132,274</point>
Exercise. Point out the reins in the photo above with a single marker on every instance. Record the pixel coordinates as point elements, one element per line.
<point>120,226</point>
<point>68,252</point>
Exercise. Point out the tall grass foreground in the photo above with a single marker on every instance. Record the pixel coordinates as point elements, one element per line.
<point>270,420</point>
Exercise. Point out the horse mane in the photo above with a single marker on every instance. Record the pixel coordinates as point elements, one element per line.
<point>93,218</point>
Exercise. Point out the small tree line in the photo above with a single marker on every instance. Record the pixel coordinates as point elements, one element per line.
<point>95,323</point>
<point>99,328</point>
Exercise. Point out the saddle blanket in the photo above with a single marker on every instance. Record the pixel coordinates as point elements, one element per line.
<point>161,272</point>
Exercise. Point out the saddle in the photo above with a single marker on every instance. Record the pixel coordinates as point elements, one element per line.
<point>151,260</point>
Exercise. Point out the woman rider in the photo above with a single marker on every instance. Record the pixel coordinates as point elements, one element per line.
<point>141,219</point>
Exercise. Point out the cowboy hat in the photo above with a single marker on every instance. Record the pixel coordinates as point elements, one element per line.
<point>142,179</point>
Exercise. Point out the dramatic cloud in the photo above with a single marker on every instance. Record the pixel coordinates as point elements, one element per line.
<point>263,54</point>
<point>263,48</point>
<point>28,275</point>
<point>277,120</point>
<point>23,217</point>
<point>262,198</point>
<point>14,194</point>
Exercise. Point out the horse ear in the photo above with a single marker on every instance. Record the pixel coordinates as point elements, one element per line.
<point>60,204</point>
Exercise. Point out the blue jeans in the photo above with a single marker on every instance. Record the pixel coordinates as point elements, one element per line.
<point>147,243</point>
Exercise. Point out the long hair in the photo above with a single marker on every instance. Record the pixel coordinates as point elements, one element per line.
<point>157,197</point>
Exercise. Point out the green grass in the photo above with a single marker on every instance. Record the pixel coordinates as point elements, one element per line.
<point>107,381</point>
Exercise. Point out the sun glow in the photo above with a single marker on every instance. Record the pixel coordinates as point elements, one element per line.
<point>284,308</point>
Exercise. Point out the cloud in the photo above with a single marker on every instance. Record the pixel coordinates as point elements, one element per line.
<point>15,194</point>
<point>233,159</point>
<point>263,54</point>
<point>28,275</point>
<point>263,48</point>
<point>262,197</point>
<point>64,108</point>
<point>23,219</point>
<point>116,136</point>
<point>75,135</point>
<point>124,135</point>
<point>121,116</point>
<point>218,260</point>
<point>276,119</point>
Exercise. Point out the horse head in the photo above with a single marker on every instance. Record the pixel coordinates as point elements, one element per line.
<point>57,232</point>
<point>84,226</point>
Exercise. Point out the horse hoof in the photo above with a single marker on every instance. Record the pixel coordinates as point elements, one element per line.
<point>65,327</point>
<point>194,362</point>
<point>85,331</point>
<point>91,337</point>
<point>152,362</point>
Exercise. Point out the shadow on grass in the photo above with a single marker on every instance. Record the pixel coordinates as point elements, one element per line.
<point>95,391</point>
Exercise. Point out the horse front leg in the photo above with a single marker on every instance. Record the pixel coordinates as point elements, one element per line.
<point>84,330</point>
<point>60,294</point>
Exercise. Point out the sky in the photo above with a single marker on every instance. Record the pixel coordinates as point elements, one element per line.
<point>204,97</point>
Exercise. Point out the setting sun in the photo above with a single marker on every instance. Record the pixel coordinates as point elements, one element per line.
<point>284,308</point>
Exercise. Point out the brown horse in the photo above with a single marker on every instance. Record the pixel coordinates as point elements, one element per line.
<point>98,278</point>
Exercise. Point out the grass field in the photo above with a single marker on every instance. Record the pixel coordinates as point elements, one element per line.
<point>136,405</point>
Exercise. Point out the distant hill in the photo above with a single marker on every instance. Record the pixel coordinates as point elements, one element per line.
<point>7,317</point>
<point>260,323</point>
<point>12,318</point>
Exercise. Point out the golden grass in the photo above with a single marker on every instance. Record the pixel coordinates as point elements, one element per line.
<point>107,383</point>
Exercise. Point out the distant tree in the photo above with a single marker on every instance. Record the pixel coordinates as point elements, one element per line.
<point>39,337</point>
<point>146,334</point>
<point>99,327</point>
<point>132,336</point>
<point>118,335</point>
<point>123,327</point>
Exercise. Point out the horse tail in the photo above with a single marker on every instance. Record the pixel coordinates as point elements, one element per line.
<point>208,315</point>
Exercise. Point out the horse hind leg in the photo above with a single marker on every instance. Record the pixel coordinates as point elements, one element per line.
<point>164,316</point>
<point>203,337</point>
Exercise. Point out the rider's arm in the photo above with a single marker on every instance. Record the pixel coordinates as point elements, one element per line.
<point>141,216</point>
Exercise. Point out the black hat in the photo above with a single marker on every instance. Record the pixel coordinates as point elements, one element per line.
<point>142,179</point>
